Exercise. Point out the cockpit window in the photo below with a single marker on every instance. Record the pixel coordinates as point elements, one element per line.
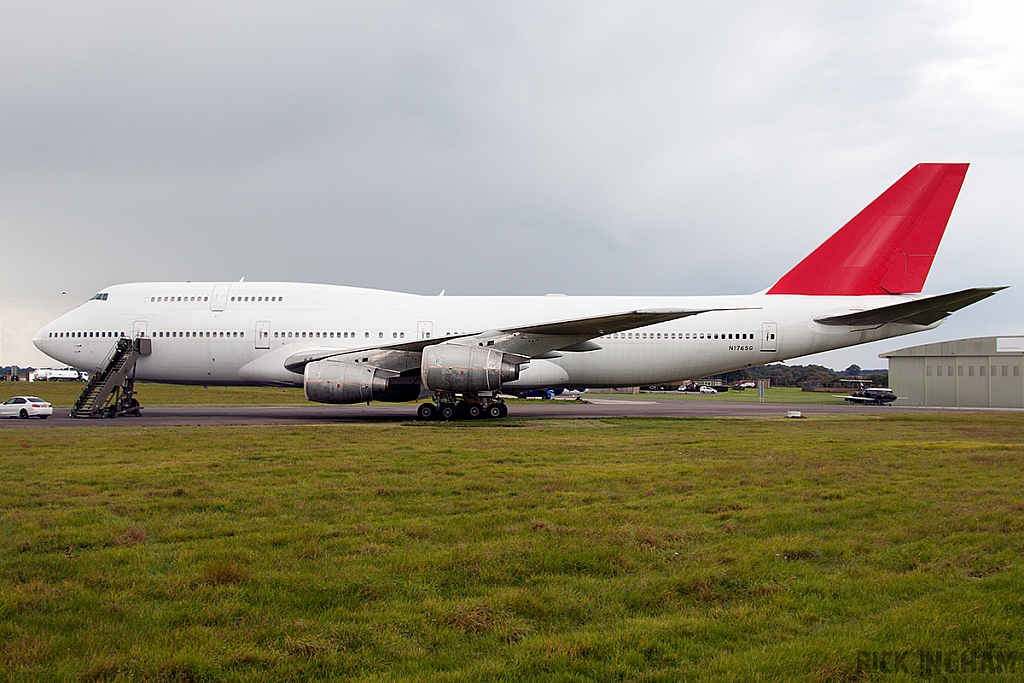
<point>102,296</point>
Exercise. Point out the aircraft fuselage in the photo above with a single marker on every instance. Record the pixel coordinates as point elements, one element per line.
<point>241,333</point>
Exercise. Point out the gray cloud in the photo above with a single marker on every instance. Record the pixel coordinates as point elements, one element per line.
<point>578,147</point>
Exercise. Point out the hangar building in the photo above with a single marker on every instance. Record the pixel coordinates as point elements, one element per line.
<point>985,372</point>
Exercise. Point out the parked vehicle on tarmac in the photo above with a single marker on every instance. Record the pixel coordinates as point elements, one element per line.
<point>877,396</point>
<point>26,407</point>
<point>61,375</point>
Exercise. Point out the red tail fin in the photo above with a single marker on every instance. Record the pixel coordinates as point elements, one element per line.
<point>888,247</point>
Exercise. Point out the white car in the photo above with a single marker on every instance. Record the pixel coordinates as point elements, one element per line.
<point>26,407</point>
<point>707,390</point>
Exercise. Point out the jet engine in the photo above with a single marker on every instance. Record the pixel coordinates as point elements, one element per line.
<point>467,369</point>
<point>334,381</point>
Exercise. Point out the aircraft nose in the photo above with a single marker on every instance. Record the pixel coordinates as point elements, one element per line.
<point>42,337</point>
<point>37,340</point>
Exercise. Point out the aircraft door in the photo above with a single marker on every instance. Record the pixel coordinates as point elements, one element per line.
<point>262,334</point>
<point>139,328</point>
<point>219,300</point>
<point>424,329</point>
<point>769,332</point>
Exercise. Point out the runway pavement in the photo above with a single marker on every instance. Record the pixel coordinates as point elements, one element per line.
<point>157,416</point>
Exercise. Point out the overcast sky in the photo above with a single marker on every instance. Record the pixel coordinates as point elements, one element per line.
<point>496,148</point>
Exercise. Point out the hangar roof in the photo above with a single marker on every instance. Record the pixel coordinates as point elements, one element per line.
<point>977,346</point>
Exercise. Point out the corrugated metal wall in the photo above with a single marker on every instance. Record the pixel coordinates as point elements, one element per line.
<point>965,373</point>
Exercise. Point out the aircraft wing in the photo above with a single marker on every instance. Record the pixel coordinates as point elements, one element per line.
<point>552,335</point>
<point>597,326</point>
<point>916,312</point>
<point>297,361</point>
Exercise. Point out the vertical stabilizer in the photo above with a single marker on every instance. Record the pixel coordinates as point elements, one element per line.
<point>888,247</point>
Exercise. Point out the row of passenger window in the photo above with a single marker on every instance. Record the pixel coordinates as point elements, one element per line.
<point>970,370</point>
<point>194,334</point>
<point>206,298</point>
<point>332,335</point>
<point>401,335</point>
<point>80,335</point>
<point>680,335</point>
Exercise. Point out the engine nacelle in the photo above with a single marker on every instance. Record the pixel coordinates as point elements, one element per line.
<point>333,381</point>
<point>467,369</point>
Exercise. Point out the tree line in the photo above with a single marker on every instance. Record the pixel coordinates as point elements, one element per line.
<point>782,375</point>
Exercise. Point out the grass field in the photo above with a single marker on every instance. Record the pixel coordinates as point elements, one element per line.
<point>717,549</point>
<point>63,394</point>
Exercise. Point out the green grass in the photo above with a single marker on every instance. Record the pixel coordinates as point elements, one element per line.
<point>63,394</point>
<point>718,549</point>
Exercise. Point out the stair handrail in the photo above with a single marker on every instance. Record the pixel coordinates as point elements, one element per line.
<point>99,378</point>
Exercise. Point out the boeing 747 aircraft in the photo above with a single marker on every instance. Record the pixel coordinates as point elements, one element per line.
<point>352,345</point>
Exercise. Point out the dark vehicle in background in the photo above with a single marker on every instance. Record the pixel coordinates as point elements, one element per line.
<point>878,396</point>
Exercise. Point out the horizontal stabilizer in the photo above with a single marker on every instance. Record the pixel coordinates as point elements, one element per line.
<point>916,312</point>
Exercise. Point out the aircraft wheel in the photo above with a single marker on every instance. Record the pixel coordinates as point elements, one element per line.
<point>475,410</point>
<point>447,411</point>
<point>23,414</point>
<point>504,410</point>
<point>427,412</point>
<point>494,410</point>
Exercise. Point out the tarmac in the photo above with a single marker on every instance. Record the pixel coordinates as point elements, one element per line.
<point>643,406</point>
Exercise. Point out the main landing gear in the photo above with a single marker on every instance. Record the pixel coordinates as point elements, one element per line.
<point>449,407</point>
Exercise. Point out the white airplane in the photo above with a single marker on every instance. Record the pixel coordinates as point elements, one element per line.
<point>350,345</point>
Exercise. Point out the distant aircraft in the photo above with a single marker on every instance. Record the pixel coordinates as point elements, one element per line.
<point>878,396</point>
<point>352,345</point>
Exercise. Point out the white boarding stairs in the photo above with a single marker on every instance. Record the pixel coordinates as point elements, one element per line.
<point>111,391</point>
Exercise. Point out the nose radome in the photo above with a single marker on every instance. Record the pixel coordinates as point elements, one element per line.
<point>37,340</point>
<point>41,337</point>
